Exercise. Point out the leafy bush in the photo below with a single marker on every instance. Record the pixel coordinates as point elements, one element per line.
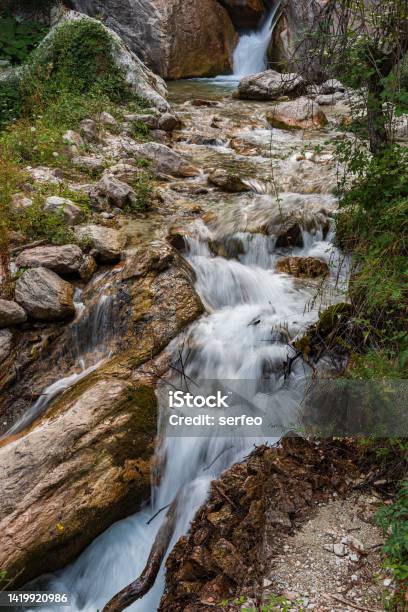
<point>18,38</point>
<point>373,225</point>
<point>394,521</point>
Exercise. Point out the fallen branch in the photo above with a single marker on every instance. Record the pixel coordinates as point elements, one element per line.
<point>157,514</point>
<point>353,605</point>
<point>137,589</point>
<point>223,494</point>
<point>31,245</point>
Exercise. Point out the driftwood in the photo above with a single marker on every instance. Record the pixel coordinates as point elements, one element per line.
<point>31,245</point>
<point>142,585</point>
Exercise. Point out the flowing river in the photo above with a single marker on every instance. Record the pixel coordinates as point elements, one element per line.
<point>252,313</point>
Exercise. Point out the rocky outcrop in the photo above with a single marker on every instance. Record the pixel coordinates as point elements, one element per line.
<point>44,295</point>
<point>270,85</point>
<point>85,463</point>
<point>303,267</point>
<point>300,114</point>
<point>11,313</point>
<point>175,38</point>
<point>66,259</point>
<point>106,244</point>
<point>250,512</point>
<point>142,81</point>
<point>245,14</point>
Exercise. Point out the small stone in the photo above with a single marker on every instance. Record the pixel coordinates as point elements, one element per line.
<point>354,577</point>
<point>267,582</point>
<point>107,119</point>
<point>169,122</point>
<point>387,582</point>
<point>72,212</point>
<point>339,550</point>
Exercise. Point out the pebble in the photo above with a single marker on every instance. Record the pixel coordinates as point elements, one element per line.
<point>387,582</point>
<point>339,550</point>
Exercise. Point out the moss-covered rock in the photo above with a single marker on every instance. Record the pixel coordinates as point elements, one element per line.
<point>79,54</point>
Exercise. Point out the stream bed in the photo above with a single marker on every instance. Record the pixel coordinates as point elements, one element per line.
<point>252,313</point>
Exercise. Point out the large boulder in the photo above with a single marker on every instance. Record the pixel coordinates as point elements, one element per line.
<point>44,295</point>
<point>175,38</point>
<point>245,14</point>
<point>86,462</point>
<point>107,244</point>
<point>66,259</point>
<point>11,313</point>
<point>270,85</point>
<point>142,81</point>
<point>164,159</point>
<point>300,114</point>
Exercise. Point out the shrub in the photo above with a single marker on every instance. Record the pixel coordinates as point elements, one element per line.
<point>18,38</point>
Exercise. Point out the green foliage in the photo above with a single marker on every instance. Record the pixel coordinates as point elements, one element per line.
<point>143,189</point>
<point>394,521</point>
<point>18,38</point>
<point>373,225</point>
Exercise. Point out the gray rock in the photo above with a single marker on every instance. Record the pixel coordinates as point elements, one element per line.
<point>164,159</point>
<point>73,138</point>
<point>66,259</point>
<point>19,201</point>
<point>169,122</point>
<point>44,295</point>
<point>107,119</point>
<point>6,343</point>
<point>270,85</point>
<point>329,99</point>
<point>331,86</point>
<point>107,243</point>
<point>42,174</point>
<point>72,212</point>
<point>339,550</point>
<point>90,163</point>
<point>89,130</point>
<point>11,313</point>
<point>150,120</point>
<point>116,192</point>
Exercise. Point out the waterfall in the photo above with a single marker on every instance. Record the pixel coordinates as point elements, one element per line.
<point>250,55</point>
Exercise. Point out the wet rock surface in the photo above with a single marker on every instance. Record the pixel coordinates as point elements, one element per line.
<point>308,267</point>
<point>86,461</point>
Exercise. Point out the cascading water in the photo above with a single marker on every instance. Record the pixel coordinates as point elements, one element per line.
<point>254,311</point>
<point>250,55</point>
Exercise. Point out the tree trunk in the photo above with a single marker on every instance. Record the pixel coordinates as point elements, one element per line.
<point>376,120</point>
